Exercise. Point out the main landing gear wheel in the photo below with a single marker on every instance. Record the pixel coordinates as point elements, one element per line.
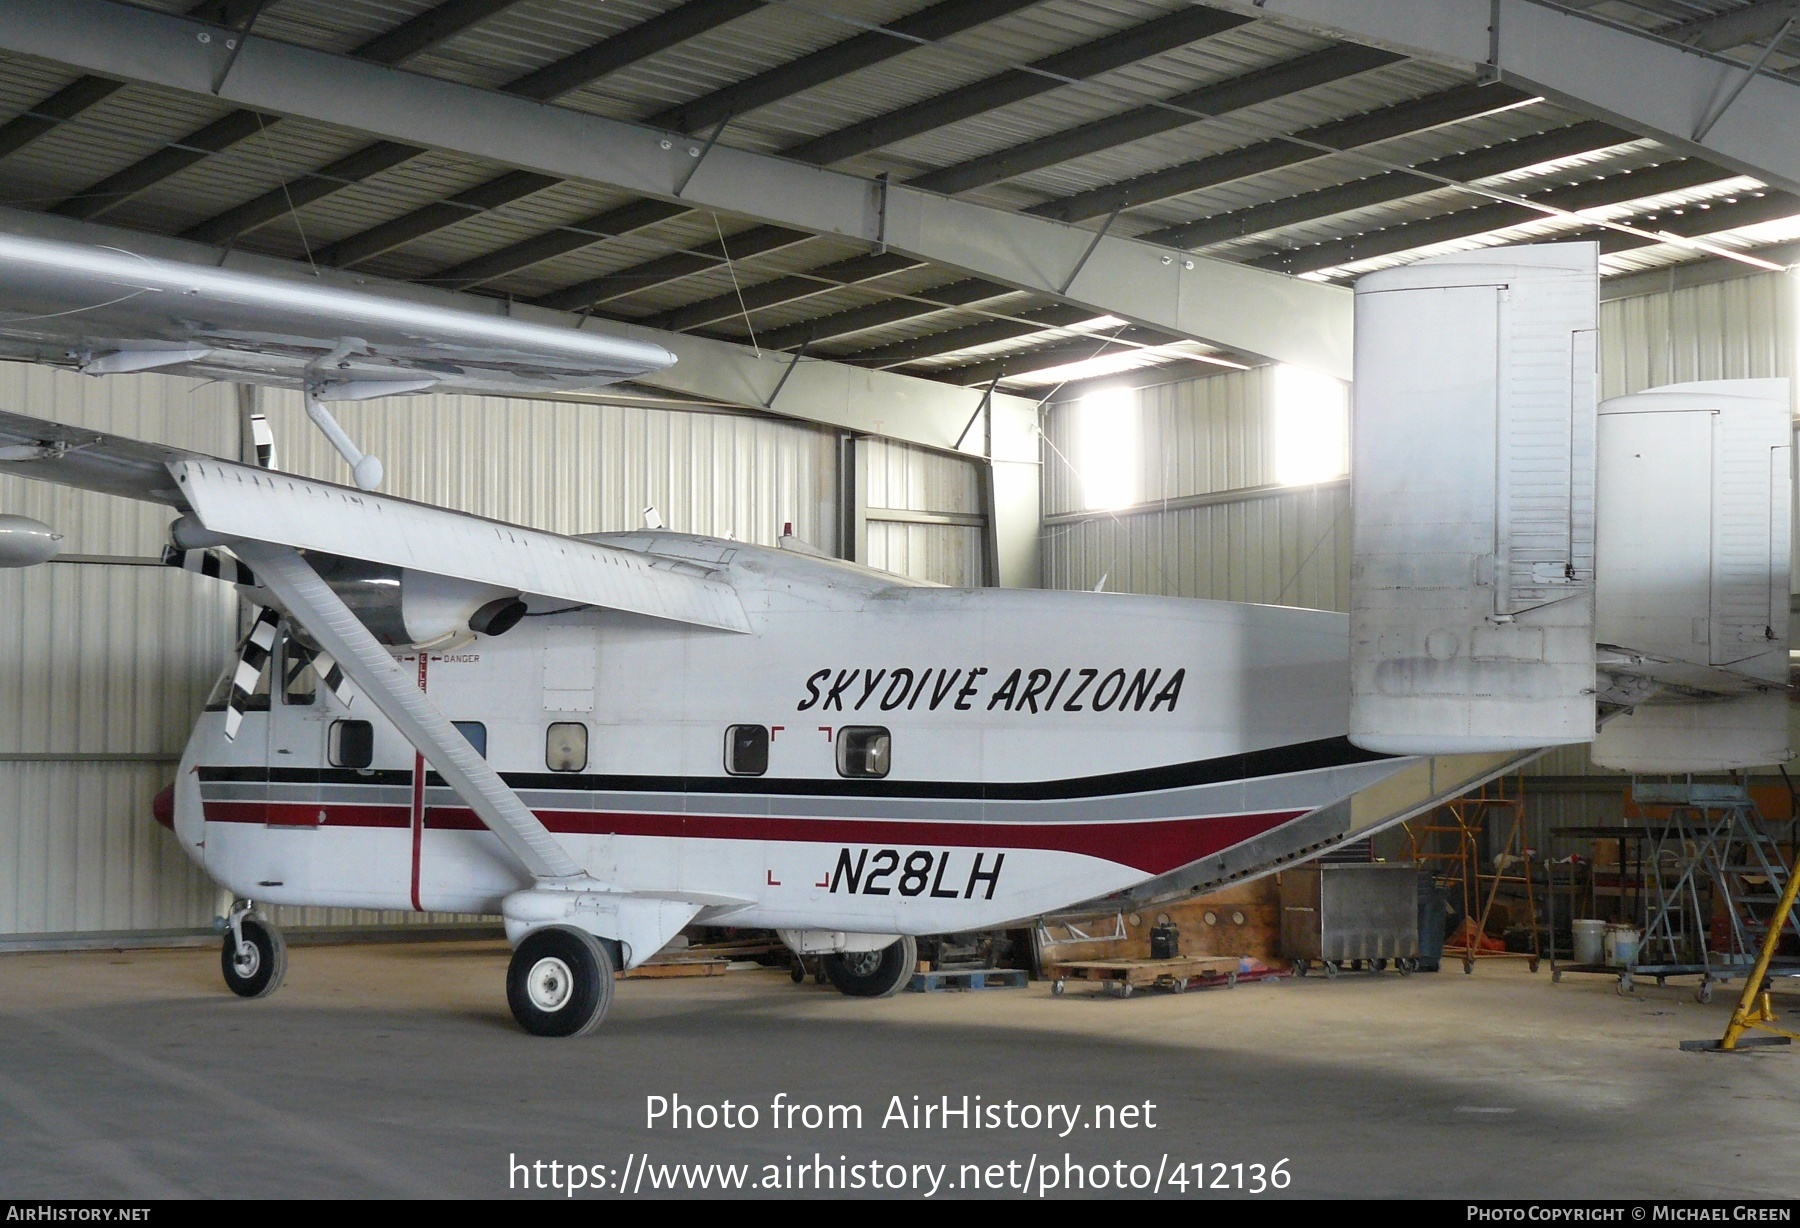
<point>254,967</point>
<point>560,982</point>
<point>873,974</point>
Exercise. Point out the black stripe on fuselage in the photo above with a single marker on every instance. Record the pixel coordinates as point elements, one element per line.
<point>1276,761</point>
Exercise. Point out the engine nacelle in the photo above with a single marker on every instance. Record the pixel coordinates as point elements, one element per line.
<point>416,609</point>
<point>25,542</point>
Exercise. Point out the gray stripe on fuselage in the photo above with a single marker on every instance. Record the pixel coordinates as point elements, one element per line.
<point>1297,791</point>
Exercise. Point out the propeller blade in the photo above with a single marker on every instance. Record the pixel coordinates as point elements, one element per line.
<point>213,563</point>
<point>299,656</point>
<point>253,659</point>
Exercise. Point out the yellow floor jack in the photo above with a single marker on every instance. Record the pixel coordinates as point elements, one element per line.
<point>1754,1011</point>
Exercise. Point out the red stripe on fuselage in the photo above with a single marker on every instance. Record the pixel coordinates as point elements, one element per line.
<point>1154,847</point>
<point>417,817</point>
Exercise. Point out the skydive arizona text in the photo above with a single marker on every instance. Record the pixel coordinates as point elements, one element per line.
<point>1037,690</point>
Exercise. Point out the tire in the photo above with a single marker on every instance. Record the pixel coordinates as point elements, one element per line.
<point>873,974</point>
<point>257,970</point>
<point>1703,993</point>
<point>559,982</point>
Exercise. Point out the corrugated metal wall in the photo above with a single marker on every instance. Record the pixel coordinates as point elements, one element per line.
<point>1291,548</point>
<point>103,664</point>
<point>901,486</point>
<point>1195,437</point>
<point>1203,437</point>
<point>101,667</point>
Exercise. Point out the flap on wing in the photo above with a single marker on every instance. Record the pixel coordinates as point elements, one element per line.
<point>88,460</point>
<point>243,501</point>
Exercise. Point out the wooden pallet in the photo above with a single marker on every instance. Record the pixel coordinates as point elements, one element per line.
<point>972,978</point>
<point>676,967</point>
<point>1125,976</point>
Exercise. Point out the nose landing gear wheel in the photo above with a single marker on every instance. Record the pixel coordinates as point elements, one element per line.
<point>873,974</point>
<point>255,967</point>
<point>560,982</point>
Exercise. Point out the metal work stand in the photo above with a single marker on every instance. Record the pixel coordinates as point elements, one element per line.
<point>1706,854</point>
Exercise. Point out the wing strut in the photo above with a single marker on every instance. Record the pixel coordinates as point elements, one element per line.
<point>370,666</point>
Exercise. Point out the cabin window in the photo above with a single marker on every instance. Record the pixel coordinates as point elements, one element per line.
<point>864,750</point>
<point>352,744</point>
<point>566,747</point>
<point>475,733</point>
<point>747,750</point>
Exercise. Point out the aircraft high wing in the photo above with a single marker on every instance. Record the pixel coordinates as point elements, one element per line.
<point>102,310</point>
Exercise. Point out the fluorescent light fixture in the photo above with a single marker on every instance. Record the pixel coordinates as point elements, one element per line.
<point>1311,426</point>
<point>1106,449</point>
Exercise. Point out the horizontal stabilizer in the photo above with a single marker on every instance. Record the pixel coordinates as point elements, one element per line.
<point>1713,735</point>
<point>244,501</point>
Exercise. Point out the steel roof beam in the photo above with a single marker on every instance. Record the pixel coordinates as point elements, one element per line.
<point>1468,223</point>
<point>1431,111</point>
<point>61,107</point>
<point>1221,303</point>
<point>756,241</point>
<point>1140,42</point>
<point>936,22</point>
<point>1694,222</point>
<point>367,244</point>
<point>788,289</point>
<point>988,332</point>
<point>296,194</point>
<point>640,42</point>
<point>1219,98</point>
<point>928,25</point>
<point>879,315</point>
<point>1589,137</point>
<point>395,47</point>
<point>607,224</point>
<point>1735,27</point>
<point>1643,82</point>
<point>1083,350</point>
<point>939,21</point>
<point>610,54</point>
<point>430,29</point>
<point>83,92</point>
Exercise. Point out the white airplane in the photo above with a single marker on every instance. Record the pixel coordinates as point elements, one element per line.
<point>606,738</point>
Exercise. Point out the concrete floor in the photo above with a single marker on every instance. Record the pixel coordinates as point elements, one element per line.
<point>396,1070</point>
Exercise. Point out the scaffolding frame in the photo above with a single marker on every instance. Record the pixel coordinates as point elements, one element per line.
<point>1466,820</point>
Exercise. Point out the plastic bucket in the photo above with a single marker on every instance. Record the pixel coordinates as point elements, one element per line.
<point>1621,945</point>
<point>1590,941</point>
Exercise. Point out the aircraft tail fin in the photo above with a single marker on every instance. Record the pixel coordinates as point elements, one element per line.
<point>1472,573</point>
<point>1691,606</point>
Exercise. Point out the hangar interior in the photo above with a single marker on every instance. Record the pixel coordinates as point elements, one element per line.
<point>1039,293</point>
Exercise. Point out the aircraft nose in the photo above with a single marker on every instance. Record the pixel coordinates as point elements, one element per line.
<point>162,806</point>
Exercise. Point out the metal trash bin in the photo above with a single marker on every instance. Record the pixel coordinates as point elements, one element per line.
<point>1433,913</point>
<point>1340,914</point>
